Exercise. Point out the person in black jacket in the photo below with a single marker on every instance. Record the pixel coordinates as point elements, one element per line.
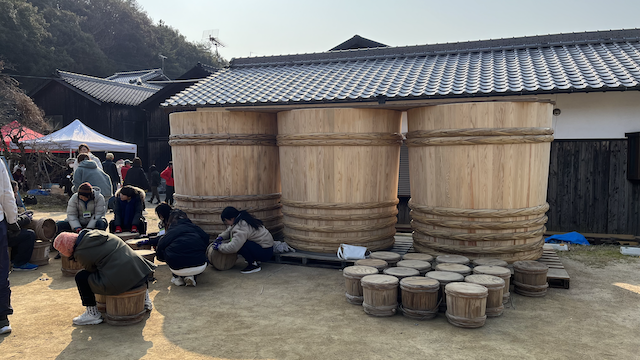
<point>136,176</point>
<point>154,182</point>
<point>127,211</point>
<point>112,170</point>
<point>183,246</point>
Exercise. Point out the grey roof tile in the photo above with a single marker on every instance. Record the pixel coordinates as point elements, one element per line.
<point>565,62</point>
<point>109,91</point>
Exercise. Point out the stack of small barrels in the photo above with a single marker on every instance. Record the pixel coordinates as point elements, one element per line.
<point>419,286</point>
<point>45,230</point>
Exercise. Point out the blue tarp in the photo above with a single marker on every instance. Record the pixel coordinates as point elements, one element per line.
<point>572,237</point>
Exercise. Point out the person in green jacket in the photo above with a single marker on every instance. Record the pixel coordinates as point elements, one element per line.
<point>111,267</point>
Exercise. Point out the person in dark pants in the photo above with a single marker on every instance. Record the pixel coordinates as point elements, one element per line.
<point>154,182</point>
<point>85,209</point>
<point>128,211</point>
<point>167,175</point>
<point>111,268</point>
<point>248,237</point>
<point>112,170</point>
<point>136,176</point>
<point>8,224</point>
<point>23,241</point>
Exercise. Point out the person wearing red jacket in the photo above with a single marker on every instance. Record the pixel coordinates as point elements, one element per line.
<point>125,169</point>
<point>167,175</point>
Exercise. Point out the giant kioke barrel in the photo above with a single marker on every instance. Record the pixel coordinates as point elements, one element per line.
<point>479,175</point>
<point>221,159</point>
<point>339,177</point>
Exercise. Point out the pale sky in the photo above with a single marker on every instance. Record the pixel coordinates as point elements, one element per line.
<point>279,27</point>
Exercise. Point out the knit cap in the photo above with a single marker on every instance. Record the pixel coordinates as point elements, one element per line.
<point>64,243</point>
<point>85,189</point>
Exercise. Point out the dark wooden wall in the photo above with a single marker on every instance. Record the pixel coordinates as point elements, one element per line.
<point>588,188</point>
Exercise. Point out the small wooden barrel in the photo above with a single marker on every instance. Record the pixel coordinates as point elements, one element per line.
<point>495,286</point>
<point>418,256</point>
<point>489,262</point>
<point>220,260</point>
<point>499,271</point>
<point>444,278</point>
<point>401,272</point>
<point>128,235</point>
<point>419,297</point>
<point>390,257</point>
<point>133,243</point>
<point>376,263</point>
<point>46,229</point>
<point>463,270</point>
<point>380,294</point>
<point>452,259</point>
<point>466,304</point>
<point>530,278</point>
<point>126,308</point>
<point>147,254</point>
<point>101,303</point>
<point>40,255</point>
<point>352,276</point>
<point>70,267</point>
<point>422,266</point>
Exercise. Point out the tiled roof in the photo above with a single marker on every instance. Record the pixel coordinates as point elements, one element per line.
<point>108,91</point>
<point>357,42</point>
<point>594,61</point>
<point>140,77</point>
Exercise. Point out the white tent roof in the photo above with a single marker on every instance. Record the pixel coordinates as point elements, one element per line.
<point>76,133</point>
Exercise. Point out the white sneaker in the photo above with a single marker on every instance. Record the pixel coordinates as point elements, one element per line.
<point>5,330</point>
<point>190,281</point>
<point>90,317</point>
<point>177,281</point>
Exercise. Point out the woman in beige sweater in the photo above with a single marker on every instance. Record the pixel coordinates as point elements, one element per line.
<point>247,236</point>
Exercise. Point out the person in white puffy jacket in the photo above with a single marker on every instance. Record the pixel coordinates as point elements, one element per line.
<point>8,222</point>
<point>85,210</point>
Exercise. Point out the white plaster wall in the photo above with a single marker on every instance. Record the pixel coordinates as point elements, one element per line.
<point>607,115</point>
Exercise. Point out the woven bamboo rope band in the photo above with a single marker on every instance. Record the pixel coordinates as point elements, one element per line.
<point>338,206</point>
<point>227,198</point>
<point>346,217</point>
<point>529,287</point>
<point>479,213</point>
<point>473,250</point>
<point>419,314</point>
<point>334,241</point>
<point>379,310</point>
<point>466,322</point>
<point>222,139</point>
<point>218,210</point>
<point>339,228</point>
<point>219,222</point>
<point>340,139</point>
<point>484,225</point>
<point>464,236</point>
<point>479,136</point>
<point>354,298</point>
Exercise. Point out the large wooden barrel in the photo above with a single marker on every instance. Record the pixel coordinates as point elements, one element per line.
<point>339,177</point>
<point>45,228</point>
<point>479,174</point>
<point>221,159</point>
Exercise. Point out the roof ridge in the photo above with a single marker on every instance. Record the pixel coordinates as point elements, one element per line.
<point>103,81</point>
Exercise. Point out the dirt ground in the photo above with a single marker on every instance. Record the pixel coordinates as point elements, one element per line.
<point>298,312</point>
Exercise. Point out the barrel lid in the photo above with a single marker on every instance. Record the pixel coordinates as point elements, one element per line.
<point>385,255</point>
<point>420,282</point>
<point>466,288</point>
<point>379,279</point>
<point>489,262</point>
<point>144,252</point>
<point>376,263</point>
<point>458,268</point>
<point>485,280</point>
<point>416,264</point>
<point>492,270</point>
<point>358,270</point>
<point>417,256</point>
<point>401,271</point>
<point>456,259</point>
<point>445,276</point>
<point>530,265</point>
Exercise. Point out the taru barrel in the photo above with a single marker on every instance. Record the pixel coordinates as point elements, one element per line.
<point>479,174</point>
<point>339,171</point>
<point>221,159</point>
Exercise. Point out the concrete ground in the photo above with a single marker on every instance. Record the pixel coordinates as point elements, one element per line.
<point>297,312</point>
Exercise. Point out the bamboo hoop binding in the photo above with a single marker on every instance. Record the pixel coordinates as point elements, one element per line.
<point>339,177</point>
<point>483,191</point>
<point>223,158</point>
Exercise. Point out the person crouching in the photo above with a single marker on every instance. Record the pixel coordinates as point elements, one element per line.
<point>127,212</point>
<point>111,268</point>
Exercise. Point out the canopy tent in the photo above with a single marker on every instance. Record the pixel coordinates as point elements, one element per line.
<point>13,129</point>
<point>71,136</point>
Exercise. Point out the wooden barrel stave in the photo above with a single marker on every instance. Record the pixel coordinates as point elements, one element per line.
<point>40,255</point>
<point>70,267</point>
<point>126,308</point>
<point>219,260</point>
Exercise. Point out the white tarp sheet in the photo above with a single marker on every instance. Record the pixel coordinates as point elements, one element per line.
<point>76,133</point>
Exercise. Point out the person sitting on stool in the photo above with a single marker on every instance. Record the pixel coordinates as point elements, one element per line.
<point>249,238</point>
<point>21,242</point>
<point>111,268</point>
<point>85,209</point>
<point>128,211</point>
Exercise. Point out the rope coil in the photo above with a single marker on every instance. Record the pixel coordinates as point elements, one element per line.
<point>479,213</point>
<point>339,228</point>
<point>225,198</point>
<point>348,217</point>
<point>480,136</point>
<point>474,250</point>
<point>338,206</point>
<point>222,139</point>
<point>482,225</point>
<point>340,139</point>
<point>450,235</point>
